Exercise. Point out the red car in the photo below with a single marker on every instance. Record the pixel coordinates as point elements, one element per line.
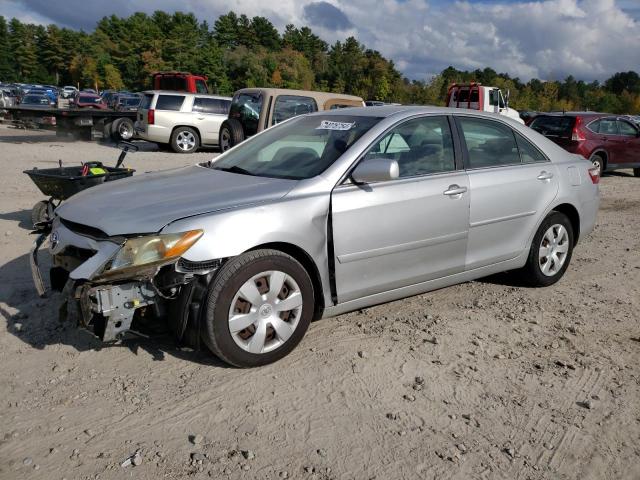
<point>610,142</point>
<point>89,100</point>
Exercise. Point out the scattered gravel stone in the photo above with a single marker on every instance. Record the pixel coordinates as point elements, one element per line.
<point>322,452</point>
<point>27,461</point>
<point>137,459</point>
<point>8,233</point>
<point>499,356</point>
<point>461,447</point>
<point>409,398</point>
<point>245,467</point>
<point>419,380</point>
<point>197,439</point>
<point>17,327</point>
<point>197,457</point>
<point>283,474</point>
<point>248,454</point>
<point>510,451</point>
<point>362,354</point>
<point>392,416</point>
<point>588,404</point>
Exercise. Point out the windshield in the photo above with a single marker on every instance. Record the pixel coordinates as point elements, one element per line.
<point>300,148</point>
<point>246,109</point>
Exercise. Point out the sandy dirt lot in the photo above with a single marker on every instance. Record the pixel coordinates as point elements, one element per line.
<point>485,380</point>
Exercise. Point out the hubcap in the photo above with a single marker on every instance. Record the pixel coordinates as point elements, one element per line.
<point>225,140</point>
<point>265,312</point>
<point>186,141</point>
<point>124,131</point>
<point>553,250</point>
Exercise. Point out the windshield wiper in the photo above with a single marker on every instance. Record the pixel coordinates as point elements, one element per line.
<point>234,169</point>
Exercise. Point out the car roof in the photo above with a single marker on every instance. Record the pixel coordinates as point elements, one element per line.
<point>173,92</point>
<point>323,96</point>
<point>390,110</point>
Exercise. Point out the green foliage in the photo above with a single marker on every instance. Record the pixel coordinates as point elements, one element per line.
<point>243,52</point>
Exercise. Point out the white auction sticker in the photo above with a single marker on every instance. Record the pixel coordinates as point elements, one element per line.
<point>329,125</point>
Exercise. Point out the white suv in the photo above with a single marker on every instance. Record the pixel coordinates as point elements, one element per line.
<point>184,120</point>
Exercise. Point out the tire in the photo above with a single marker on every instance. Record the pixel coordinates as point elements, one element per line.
<point>185,140</point>
<point>636,172</point>
<point>122,129</point>
<point>598,161</point>
<point>231,134</point>
<point>533,273</point>
<point>39,213</point>
<point>253,268</point>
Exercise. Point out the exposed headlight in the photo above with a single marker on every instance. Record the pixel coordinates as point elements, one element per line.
<point>151,251</point>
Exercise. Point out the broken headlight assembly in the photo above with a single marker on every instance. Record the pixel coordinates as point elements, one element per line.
<point>140,255</point>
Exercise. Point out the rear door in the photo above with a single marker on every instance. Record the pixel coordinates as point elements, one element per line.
<point>631,144</point>
<point>614,143</point>
<point>405,231</point>
<point>511,184</point>
<point>209,113</point>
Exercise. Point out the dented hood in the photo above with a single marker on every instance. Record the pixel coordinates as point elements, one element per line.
<point>146,203</point>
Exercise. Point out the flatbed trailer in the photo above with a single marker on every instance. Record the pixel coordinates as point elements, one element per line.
<point>87,123</point>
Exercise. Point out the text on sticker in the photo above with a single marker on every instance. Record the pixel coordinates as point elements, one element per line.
<point>328,125</point>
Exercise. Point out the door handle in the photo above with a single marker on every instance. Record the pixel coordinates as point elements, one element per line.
<point>545,175</point>
<point>200,118</point>
<point>455,190</point>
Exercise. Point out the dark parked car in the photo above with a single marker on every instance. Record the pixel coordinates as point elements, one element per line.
<point>89,100</point>
<point>610,142</point>
<point>129,103</point>
<point>36,100</point>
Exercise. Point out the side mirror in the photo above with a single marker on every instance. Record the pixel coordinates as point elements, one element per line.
<point>376,170</point>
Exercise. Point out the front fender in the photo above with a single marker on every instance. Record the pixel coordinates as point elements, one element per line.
<point>301,222</point>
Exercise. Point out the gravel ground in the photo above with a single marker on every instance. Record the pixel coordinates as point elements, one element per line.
<point>484,380</point>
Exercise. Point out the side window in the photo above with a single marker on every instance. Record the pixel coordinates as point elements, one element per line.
<point>288,106</point>
<point>594,126</point>
<point>209,105</point>
<point>529,153</point>
<point>627,129</point>
<point>169,102</point>
<point>490,144</point>
<point>608,126</point>
<point>421,146</point>
<point>201,86</point>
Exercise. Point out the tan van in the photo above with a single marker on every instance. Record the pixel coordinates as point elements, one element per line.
<point>255,109</point>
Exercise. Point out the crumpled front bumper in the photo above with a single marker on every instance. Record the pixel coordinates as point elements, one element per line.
<point>107,309</point>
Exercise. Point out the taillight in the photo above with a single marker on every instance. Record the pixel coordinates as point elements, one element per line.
<point>576,134</point>
<point>151,116</point>
<point>594,173</point>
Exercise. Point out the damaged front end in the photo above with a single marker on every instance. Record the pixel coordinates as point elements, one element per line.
<point>109,283</point>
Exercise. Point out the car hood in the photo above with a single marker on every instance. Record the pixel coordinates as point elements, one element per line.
<point>146,203</point>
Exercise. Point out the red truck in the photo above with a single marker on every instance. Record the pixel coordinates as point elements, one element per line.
<point>180,82</point>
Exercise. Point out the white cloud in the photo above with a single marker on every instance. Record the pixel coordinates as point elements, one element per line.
<point>590,39</point>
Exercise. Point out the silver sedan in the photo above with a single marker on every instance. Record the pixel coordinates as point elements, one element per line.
<point>323,214</point>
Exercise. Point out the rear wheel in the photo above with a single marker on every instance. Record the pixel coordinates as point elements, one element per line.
<point>598,162</point>
<point>550,251</point>
<point>636,172</point>
<point>231,134</point>
<point>258,308</point>
<point>185,140</point>
<point>122,129</point>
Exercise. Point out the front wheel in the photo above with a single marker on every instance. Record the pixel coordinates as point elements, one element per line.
<point>258,308</point>
<point>550,251</point>
<point>636,172</point>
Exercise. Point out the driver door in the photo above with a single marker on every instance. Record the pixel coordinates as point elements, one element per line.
<point>401,232</point>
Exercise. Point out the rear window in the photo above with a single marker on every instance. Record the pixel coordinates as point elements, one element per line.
<point>554,126</point>
<point>146,101</point>
<point>211,105</point>
<point>179,84</point>
<point>169,102</point>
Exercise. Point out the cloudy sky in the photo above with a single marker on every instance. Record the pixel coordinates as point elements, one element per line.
<point>550,39</point>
